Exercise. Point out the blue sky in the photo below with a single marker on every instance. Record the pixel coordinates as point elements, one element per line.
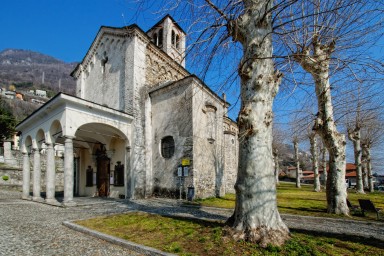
<point>63,29</point>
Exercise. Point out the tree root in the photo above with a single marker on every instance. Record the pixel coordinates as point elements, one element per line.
<point>262,235</point>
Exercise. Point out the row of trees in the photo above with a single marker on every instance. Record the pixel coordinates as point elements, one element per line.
<point>320,47</point>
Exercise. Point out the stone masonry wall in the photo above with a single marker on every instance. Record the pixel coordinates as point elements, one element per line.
<point>15,173</point>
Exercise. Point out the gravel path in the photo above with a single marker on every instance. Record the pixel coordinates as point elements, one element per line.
<point>29,228</point>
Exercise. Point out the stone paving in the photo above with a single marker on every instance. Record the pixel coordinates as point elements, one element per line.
<point>30,228</point>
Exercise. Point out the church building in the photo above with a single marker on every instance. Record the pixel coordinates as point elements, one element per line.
<point>140,124</point>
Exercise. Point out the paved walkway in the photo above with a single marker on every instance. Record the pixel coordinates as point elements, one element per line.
<point>29,228</point>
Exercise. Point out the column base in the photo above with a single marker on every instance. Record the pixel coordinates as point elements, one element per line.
<point>69,203</point>
<point>26,198</point>
<point>52,202</point>
<point>38,199</point>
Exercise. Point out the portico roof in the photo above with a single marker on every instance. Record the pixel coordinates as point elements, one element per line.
<point>72,112</point>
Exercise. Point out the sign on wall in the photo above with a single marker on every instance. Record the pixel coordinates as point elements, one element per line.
<point>185,162</point>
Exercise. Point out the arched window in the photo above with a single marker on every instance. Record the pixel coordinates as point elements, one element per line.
<point>155,38</point>
<point>160,41</point>
<point>177,42</point>
<point>173,38</point>
<point>167,147</point>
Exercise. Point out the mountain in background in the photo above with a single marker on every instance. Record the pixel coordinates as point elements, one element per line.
<point>32,70</point>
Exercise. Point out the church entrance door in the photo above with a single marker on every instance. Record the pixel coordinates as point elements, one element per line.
<point>103,170</point>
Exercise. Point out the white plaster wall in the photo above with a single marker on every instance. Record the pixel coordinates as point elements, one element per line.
<point>209,178</point>
<point>105,84</point>
<point>171,116</point>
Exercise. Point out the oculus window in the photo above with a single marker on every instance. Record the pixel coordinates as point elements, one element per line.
<point>167,147</point>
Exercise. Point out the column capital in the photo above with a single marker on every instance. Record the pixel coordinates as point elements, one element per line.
<point>49,144</point>
<point>35,150</point>
<point>69,137</point>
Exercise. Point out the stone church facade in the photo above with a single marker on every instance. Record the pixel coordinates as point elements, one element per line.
<point>140,124</point>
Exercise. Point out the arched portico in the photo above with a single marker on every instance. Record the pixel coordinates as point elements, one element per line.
<point>80,127</point>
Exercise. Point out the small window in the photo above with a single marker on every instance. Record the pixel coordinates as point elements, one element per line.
<point>119,174</point>
<point>155,38</point>
<point>89,177</point>
<point>160,40</point>
<point>167,147</point>
<point>173,38</point>
<point>177,42</point>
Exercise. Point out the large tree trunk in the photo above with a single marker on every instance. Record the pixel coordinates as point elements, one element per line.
<point>367,150</point>
<point>315,162</point>
<point>324,165</point>
<point>256,218</point>
<point>298,173</point>
<point>354,136</point>
<point>364,170</point>
<point>317,65</point>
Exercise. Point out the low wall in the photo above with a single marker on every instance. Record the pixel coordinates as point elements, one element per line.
<point>13,169</point>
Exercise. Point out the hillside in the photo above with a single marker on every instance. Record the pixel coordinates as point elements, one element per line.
<point>27,69</point>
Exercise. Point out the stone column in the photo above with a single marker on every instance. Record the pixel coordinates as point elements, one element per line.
<point>50,175</point>
<point>128,174</point>
<point>36,175</point>
<point>68,172</point>
<point>26,176</point>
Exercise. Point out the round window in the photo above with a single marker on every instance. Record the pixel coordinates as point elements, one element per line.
<point>167,147</point>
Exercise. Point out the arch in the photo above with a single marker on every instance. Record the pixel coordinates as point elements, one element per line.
<point>39,139</point>
<point>54,132</point>
<point>93,133</point>
<point>26,145</point>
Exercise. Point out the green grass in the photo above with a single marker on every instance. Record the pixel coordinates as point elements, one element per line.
<point>199,237</point>
<point>304,201</point>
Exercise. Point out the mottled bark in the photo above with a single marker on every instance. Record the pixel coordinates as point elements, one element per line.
<point>367,153</point>
<point>298,173</point>
<point>364,171</point>
<point>316,62</point>
<point>256,218</point>
<point>354,136</point>
<point>324,165</point>
<point>315,162</point>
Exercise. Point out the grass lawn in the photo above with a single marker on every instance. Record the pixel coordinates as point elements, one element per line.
<point>304,201</point>
<point>199,237</point>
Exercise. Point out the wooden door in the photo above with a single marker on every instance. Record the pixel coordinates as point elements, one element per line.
<point>103,171</point>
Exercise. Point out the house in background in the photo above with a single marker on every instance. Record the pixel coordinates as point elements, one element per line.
<point>140,124</point>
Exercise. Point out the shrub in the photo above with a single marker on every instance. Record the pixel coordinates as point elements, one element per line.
<point>5,177</point>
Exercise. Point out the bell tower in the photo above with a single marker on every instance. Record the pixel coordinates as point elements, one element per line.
<point>170,37</point>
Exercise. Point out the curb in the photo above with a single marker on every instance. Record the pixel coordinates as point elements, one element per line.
<point>145,250</point>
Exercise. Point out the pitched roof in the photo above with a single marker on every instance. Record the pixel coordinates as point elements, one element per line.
<point>162,20</point>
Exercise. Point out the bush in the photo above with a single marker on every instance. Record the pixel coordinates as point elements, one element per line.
<point>5,177</point>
